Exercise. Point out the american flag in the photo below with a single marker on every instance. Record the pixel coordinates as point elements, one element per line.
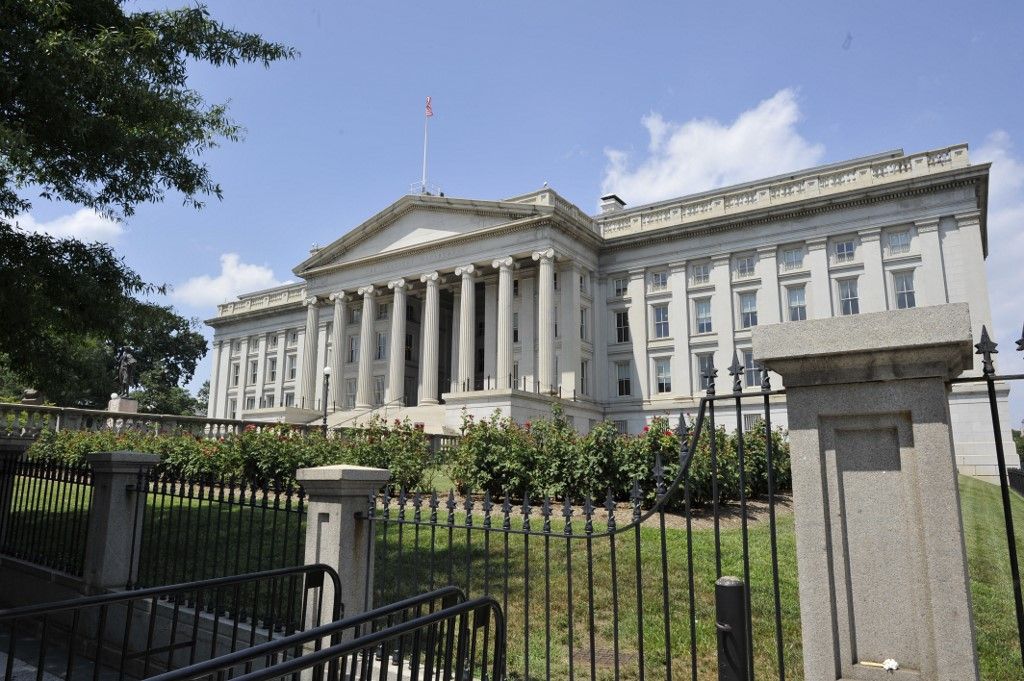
<point>430,110</point>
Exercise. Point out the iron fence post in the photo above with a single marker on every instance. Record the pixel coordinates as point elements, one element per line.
<point>732,622</point>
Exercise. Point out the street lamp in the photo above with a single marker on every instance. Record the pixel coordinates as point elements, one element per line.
<point>327,382</point>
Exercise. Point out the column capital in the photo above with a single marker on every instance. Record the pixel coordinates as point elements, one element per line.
<point>339,297</point>
<point>367,291</point>
<point>431,278</point>
<point>503,263</point>
<point>764,251</point>
<point>397,284</point>
<point>465,270</point>
<point>817,242</point>
<point>677,266</point>
<point>929,225</point>
<point>309,301</point>
<point>546,254</point>
<point>872,234</point>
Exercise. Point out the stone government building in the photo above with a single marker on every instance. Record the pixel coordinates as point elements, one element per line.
<point>439,304</point>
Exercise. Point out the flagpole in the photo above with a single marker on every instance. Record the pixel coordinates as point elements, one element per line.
<point>426,119</point>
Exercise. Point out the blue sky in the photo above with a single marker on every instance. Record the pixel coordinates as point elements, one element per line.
<point>586,96</point>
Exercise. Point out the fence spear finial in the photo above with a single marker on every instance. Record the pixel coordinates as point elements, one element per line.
<point>986,348</point>
<point>1020,341</point>
<point>736,370</point>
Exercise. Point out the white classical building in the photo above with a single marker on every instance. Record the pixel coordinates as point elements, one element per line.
<point>437,305</point>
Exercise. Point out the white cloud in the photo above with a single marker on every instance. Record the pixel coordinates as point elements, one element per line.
<point>704,153</point>
<point>84,224</point>
<point>235,277</point>
<point>1005,246</point>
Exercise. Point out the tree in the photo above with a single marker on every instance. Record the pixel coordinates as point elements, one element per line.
<point>95,109</point>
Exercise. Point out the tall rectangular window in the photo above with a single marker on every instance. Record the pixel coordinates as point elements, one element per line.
<point>620,286</point>
<point>585,377</point>
<point>378,390</point>
<point>796,300</point>
<point>272,369</point>
<point>702,315</point>
<point>556,321</point>
<point>289,399</point>
<point>293,337</point>
<point>661,329</point>
<point>383,311</point>
<point>235,373</point>
<point>705,364</point>
<point>350,392</point>
<point>355,314</point>
<point>292,366</point>
<point>792,258</point>
<point>250,402</point>
<point>584,313</point>
<point>515,327</point>
<point>899,242</point>
<point>272,341</point>
<point>751,374</point>
<point>623,379</point>
<point>515,288</point>
<point>659,280</point>
<point>268,401</point>
<point>232,408</point>
<point>353,349</point>
<point>408,347</point>
<point>848,300</point>
<point>622,326</point>
<point>700,273</point>
<point>745,266</point>
<point>748,310</point>
<point>382,346</point>
<point>845,250</point>
<point>253,371</point>
<point>663,375</point>
<point>904,286</point>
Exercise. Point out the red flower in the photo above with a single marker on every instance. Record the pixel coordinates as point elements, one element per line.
<point>668,432</point>
<point>646,428</point>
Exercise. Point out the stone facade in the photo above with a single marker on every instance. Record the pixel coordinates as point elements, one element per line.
<point>438,304</point>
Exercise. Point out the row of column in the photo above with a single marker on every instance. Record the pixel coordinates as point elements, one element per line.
<point>467,274</point>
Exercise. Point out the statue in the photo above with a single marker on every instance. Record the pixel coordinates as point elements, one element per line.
<point>126,363</point>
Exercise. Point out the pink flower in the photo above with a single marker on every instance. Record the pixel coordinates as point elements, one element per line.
<point>646,428</point>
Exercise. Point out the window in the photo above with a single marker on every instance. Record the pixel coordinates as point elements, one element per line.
<point>382,346</point>
<point>515,373</point>
<point>272,341</point>
<point>848,302</point>
<point>268,401</point>
<point>555,277</point>
<point>663,375</point>
<point>515,288</point>
<point>272,369</point>
<point>355,315</point>
<point>583,284</point>
<point>383,311</point>
<point>235,373</point>
<point>253,371</point>
<point>745,266</point>
<point>232,408</point>
<point>659,280</point>
<point>622,326</point>
<point>291,367</point>
<point>556,321</point>
<point>702,315</point>
<point>408,347</point>
<point>845,250</point>
<point>700,273</point>
<point>620,286</point>
<point>289,399</point>
<point>749,420</point>
<point>622,427</point>
<point>751,374</point>
<point>584,377</point>
<point>622,376</point>
<point>515,327</point>
<point>293,337</point>
<point>792,258</point>
<point>904,285</point>
<point>796,299</point>
<point>661,321</point>
<point>899,242</point>
<point>378,390</point>
<point>748,310</point>
<point>350,392</point>
<point>584,312</point>
<point>705,365</point>
<point>236,346</point>
<point>353,349</point>
<point>250,402</point>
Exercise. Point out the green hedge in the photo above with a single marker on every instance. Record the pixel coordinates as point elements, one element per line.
<point>270,454</point>
<point>549,457</point>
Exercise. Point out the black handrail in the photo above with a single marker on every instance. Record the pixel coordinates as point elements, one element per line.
<point>447,595</point>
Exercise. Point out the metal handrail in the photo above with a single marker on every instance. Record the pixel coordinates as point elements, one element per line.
<point>205,668</point>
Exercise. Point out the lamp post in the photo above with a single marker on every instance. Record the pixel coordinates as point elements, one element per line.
<point>327,382</point>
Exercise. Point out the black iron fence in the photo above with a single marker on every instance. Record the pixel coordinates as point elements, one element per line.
<point>602,588</point>
<point>202,527</point>
<point>44,512</point>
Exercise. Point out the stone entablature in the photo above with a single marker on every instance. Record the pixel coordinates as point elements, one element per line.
<point>289,294</point>
<point>859,174</point>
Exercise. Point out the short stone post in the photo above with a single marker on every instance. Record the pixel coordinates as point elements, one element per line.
<point>338,532</point>
<point>114,539</point>
<point>880,550</point>
<point>9,456</point>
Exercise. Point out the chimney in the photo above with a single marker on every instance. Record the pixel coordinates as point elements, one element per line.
<point>611,203</point>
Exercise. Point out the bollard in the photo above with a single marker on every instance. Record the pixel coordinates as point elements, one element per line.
<point>731,622</point>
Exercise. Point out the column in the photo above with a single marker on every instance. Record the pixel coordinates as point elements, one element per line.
<point>364,386</point>
<point>569,366</point>
<point>723,317</point>
<point>638,332</point>
<point>972,259</point>
<point>224,380</point>
<point>527,325</point>
<point>214,396</point>
<point>338,324</point>
<point>322,359</point>
<point>282,346</point>
<point>545,319</point>
<point>599,382</point>
<point>243,376</point>
<point>879,536</point>
<point>503,361</point>
<point>307,394</point>
<point>467,326</point>
<point>396,355</point>
<point>872,285</point>
<point>453,361</point>
<point>428,353</point>
<point>490,339</point>
<point>819,292</point>
<point>768,306</point>
<point>679,327</point>
<point>930,278</point>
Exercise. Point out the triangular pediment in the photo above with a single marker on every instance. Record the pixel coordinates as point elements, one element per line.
<point>414,221</point>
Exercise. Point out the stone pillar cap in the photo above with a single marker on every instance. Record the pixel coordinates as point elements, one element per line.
<point>925,341</point>
<point>121,462</point>
<point>342,473</point>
